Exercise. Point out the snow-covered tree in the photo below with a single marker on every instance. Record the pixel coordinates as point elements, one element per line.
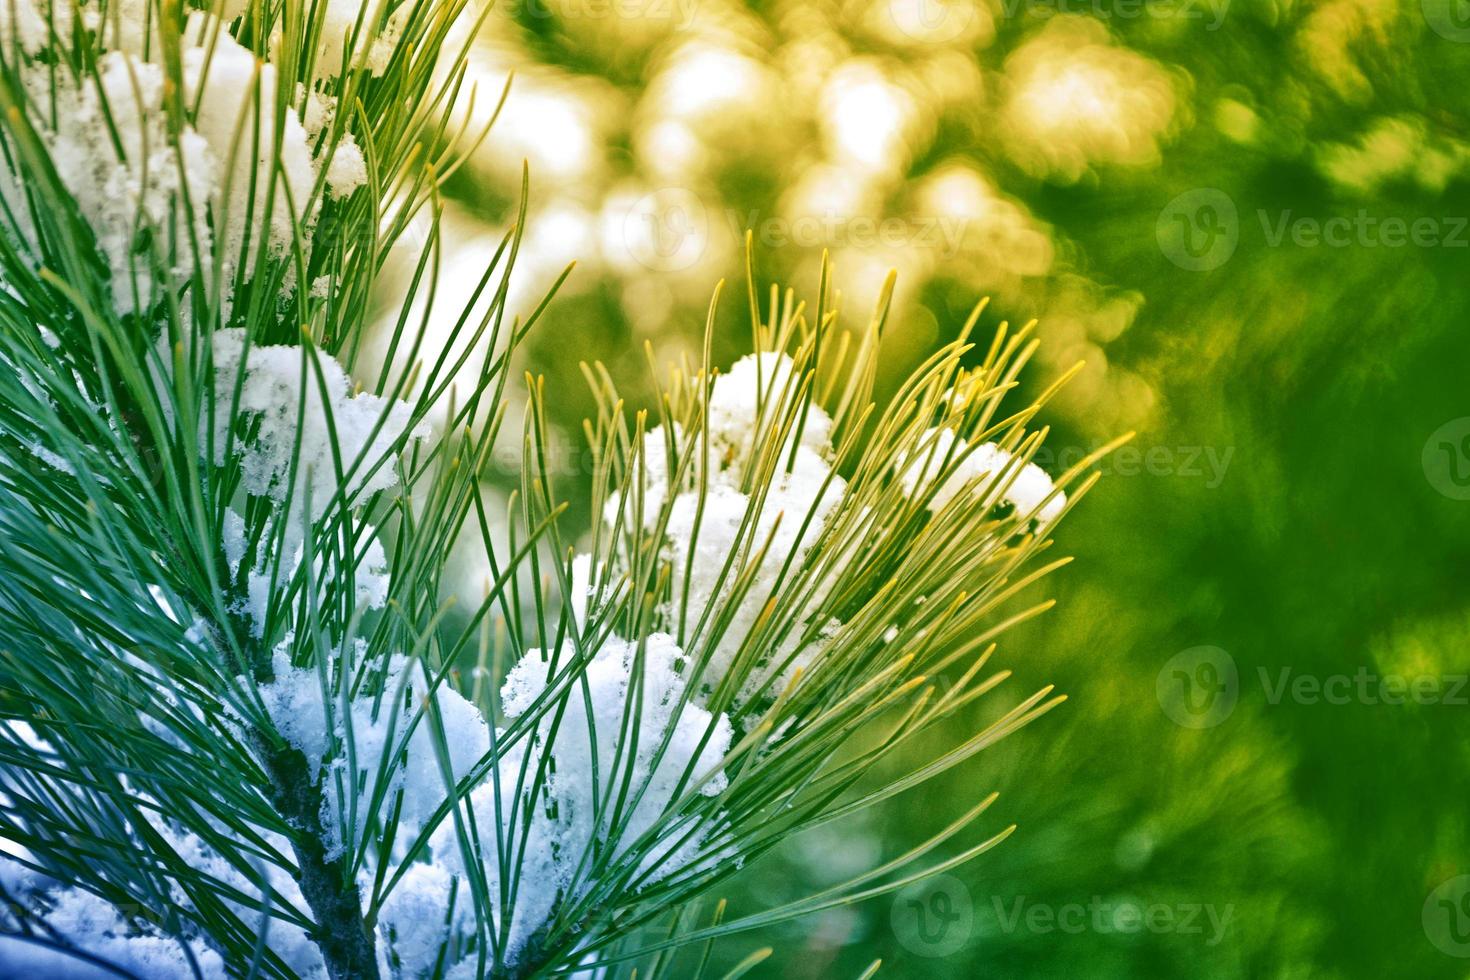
<point>247,731</point>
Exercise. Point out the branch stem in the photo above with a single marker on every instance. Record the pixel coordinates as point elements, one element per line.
<point>336,903</point>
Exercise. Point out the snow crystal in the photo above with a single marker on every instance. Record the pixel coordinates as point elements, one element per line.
<point>236,97</point>
<point>345,21</point>
<point>367,427</point>
<point>740,419</point>
<point>234,540</point>
<point>722,536</point>
<point>769,540</point>
<point>609,679</point>
<point>363,433</point>
<point>295,702</point>
<point>130,191</point>
<point>415,922</point>
<point>94,925</point>
<point>373,581</point>
<point>412,925</point>
<point>371,575</point>
<point>318,110</point>
<point>134,943</point>
<point>747,398</point>
<point>131,178</point>
<point>563,822</point>
<point>542,867</point>
<point>29,24</point>
<point>348,170</point>
<point>53,459</point>
<point>144,189</point>
<point>948,460</point>
<point>286,939</point>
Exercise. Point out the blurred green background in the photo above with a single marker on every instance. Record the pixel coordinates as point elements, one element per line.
<point>1249,219</point>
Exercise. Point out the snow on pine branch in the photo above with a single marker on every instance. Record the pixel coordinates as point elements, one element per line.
<point>738,537</point>
<point>534,841</point>
<point>639,742</point>
<point>1029,490</point>
<point>305,419</point>
<point>304,438</point>
<point>555,798</point>
<point>233,178</point>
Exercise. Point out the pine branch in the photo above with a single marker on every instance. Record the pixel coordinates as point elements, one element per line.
<point>345,940</point>
<point>233,654</point>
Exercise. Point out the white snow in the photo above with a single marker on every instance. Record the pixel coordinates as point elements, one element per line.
<point>416,924</point>
<point>352,22</point>
<point>95,925</point>
<point>590,756</point>
<point>29,24</point>
<point>750,397</point>
<point>769,538</point>
<point>131,197</point>
<point>113,151</point>
<point>946,459</point>
<point>306,416</point>
<point>371,577</point>
<point>234,540</point>
<point>716,538</point>
<point>288,389</point>
<point>563,820</point>
<point>236,97</point>
<point>296,704</point>
<point>348,170</point>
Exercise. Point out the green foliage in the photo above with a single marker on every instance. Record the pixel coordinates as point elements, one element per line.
<point>155,767</point>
